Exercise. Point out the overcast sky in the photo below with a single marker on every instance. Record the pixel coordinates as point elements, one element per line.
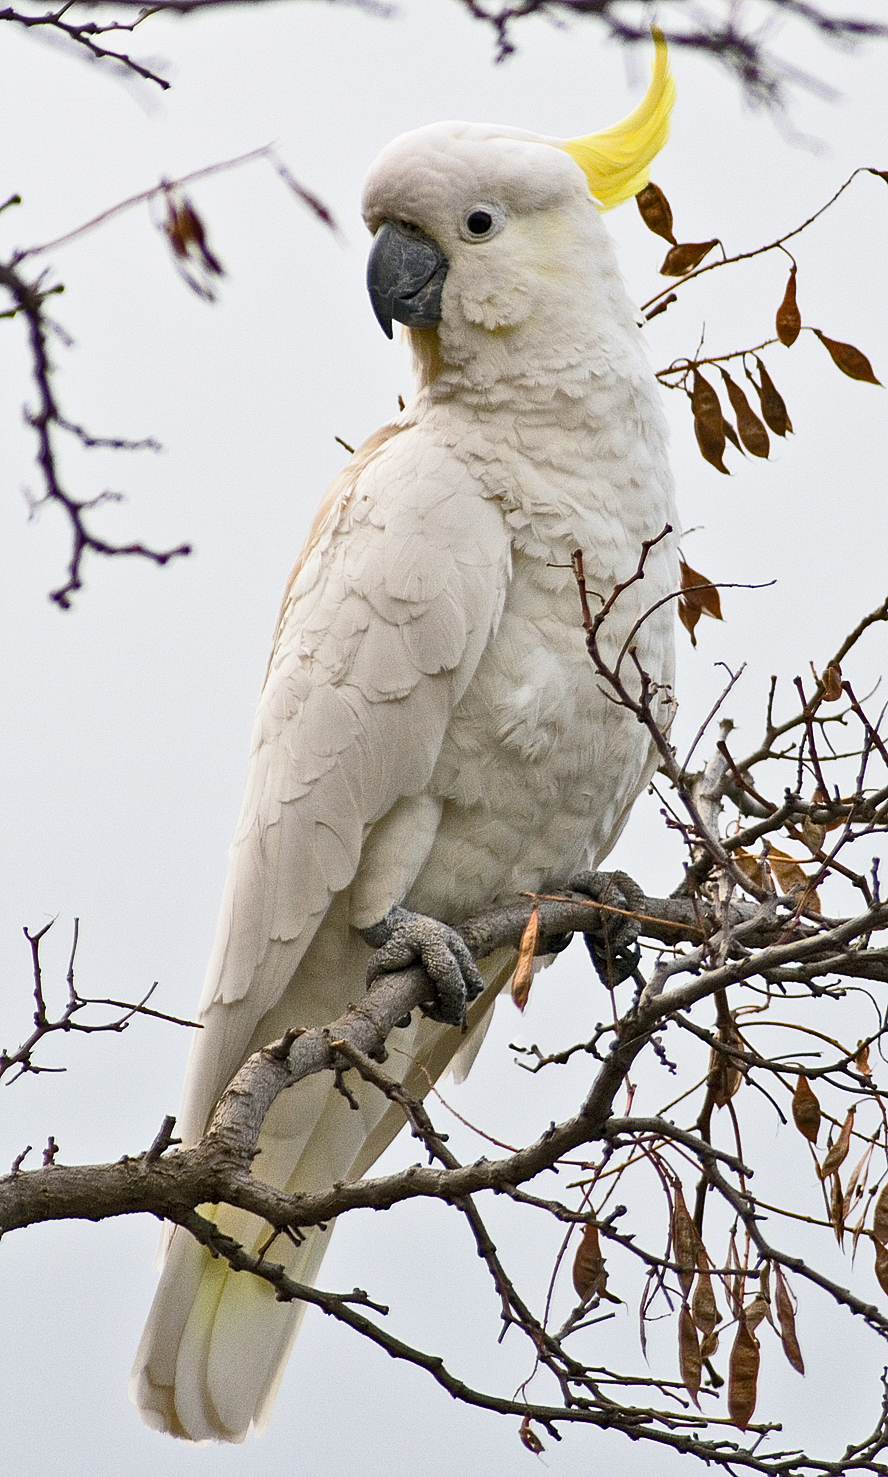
<point>126,720</point>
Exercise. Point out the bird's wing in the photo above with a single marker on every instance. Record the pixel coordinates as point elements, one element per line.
<point>389,609</point>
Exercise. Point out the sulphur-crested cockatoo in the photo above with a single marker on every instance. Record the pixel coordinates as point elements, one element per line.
<point>431,735</point>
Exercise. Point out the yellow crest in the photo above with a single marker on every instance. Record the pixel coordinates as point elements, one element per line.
<point>616,162</point>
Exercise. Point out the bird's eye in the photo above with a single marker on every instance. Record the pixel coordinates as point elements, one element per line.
<point>479,222</point>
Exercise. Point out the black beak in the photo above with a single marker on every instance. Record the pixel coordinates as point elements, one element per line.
<point>405,277</point>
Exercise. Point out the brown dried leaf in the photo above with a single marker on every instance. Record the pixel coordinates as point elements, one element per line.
<point>522,979</point>
<point>743,1367</point>
<point>882,1265</point>
<point>861,1061</point>
<point>689,1359</point>
<point>771,401</point>
<point>655,211</point>
<point>688,618</point>
<point>792,879</point>
<point>880,1216</point>
<point>838,1152</point>
<point>589,1274</point>
<point>699,597</point>
<point>699,592</point>
<point>806,1110</point>
<point>529,1437</point>
<point>685,1241</point>
<point>753,867</point>
<point>832,684</point>
<point>848,359</point>
<point>682,259</point>
<point>789,319</point>
<point>882,173</point>
<point>812,834</point>
<point>752,432</point>
<point>786,1317</point>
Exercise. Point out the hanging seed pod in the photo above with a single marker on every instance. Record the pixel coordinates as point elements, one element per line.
<point>786,1318</point>
<point>683,258</point>
<point>848,359</point>
<point>837,1153</point>
<point>689,1360</point>
<point>655,211</point>
<point>708,422</point>
<point>752,432</point>
<point>743,1368</point>
<point>806,1110</point>
<point>789,319</point>
<point>771,401</point>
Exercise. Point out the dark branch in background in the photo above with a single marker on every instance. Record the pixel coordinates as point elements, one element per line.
<point>22,1059</point>
<point>83,33</point>
<point>721,32</point>
<point>186,235</point>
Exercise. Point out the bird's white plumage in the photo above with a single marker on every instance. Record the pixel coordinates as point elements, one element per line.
<point>431,731</point>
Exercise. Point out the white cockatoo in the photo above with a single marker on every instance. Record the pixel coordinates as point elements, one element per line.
<point>431,735</point>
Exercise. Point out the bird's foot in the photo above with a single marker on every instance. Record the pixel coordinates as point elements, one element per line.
<point>404,938</point>
<point>613,940</point>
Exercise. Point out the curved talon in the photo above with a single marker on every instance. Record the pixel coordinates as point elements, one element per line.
<point>402,938</point>
<point>613,942</point>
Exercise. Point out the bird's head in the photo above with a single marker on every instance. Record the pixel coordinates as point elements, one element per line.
<point>480,230</point>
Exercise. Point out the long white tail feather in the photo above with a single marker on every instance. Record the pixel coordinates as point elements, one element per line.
<point>217,1342</point>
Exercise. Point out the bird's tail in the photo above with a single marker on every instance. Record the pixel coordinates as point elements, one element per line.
<point>217,1341</point>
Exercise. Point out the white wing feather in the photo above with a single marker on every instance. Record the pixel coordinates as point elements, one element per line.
<point>381,631</point>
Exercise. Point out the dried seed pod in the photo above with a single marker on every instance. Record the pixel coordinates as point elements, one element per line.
<point>522,979</point>
<point>880,1216</point>
<point>789,319</point>
<point>529,1437</point>
<point>832,683</point>
<point>685,1240</point>
<point>786,1317</point>
<point>689,1359</point>
<point>837,1153</point>
<point>589,1274</point>
<point>806,1110</point>
<point>848,359</point>
<point>752,432</point>
<point>743,1368</point>
<point>655,211</point>
<point>681,259</point>
<point>771,401</point>
<point>704,1308</point>
<point>708,422</point>
<point>882,1266</point>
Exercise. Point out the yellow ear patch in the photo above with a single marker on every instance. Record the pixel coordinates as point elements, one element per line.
<point>616,161</point>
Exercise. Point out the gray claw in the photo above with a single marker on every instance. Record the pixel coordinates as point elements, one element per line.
<point>613,940</point>
<point>404,938</point>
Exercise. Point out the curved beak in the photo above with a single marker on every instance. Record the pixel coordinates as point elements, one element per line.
<point>405,277</point>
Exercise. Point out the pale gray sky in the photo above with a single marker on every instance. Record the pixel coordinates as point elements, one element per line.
<point>126,720</point>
